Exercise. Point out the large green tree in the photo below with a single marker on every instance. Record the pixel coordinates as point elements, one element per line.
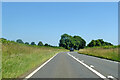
<point>67,41</point>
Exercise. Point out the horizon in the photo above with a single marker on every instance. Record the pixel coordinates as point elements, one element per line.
<point>46,22</point>
<point>53,45</point>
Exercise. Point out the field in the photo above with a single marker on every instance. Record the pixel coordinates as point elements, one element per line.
<point>102,52</point>
<point>19,59</point>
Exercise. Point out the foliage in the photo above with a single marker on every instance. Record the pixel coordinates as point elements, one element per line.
<point>19,41</point>
<point>46,44</point>
<point>33,43</point>
<point>118,45</point>
<point>68,41</point>
<point>99,42</point>
<point>3,40</point>
<point>27,43</point>
<point>40,43</point>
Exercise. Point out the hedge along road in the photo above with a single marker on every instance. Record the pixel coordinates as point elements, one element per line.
<point>67,65</point>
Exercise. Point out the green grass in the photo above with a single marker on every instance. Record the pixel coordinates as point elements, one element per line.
<point>0,60</point>
<point>18,59</point>
<point>102,52</point>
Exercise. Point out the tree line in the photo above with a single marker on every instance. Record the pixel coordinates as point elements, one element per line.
<point>99,42</point>
<point>33,43</point>
<point>68,41</point>
<point>77,42</point>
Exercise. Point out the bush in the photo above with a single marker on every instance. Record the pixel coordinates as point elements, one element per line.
<point>40,43</point>
<point>27,43</point>
<point>33,43</point>
<point>19,41</point>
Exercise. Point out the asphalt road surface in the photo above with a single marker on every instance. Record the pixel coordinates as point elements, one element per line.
<point>74,65</point>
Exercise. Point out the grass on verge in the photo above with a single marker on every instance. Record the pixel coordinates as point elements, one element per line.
<point>0,60</point>
<point>109,53</point>
<point>17,59</point>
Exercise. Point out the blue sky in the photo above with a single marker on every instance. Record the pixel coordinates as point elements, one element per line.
<point>46,22</point>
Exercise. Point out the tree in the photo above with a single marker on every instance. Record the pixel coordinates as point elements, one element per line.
<point>3,40</point>
<point>67,41</point>
<point>80,42</point>
<point>19,41</point>
<point>33,43</point>
<point>99,42</point>
<point>40,43</point>
<point>92,43</point>
<point>27,43</point>
<point>46,44</point>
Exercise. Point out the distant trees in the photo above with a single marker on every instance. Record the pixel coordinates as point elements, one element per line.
<point>98,42</point>
<point>33,43</point>
<point>68,41</point>
<point>49,45</point>
<point>27,43</point>
<point>19,41</point>
<point>46,44</point>
<point>40,43</point>
<point>3,40</point>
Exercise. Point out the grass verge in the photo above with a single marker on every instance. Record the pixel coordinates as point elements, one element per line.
<point>109,53</point>
<point>0,60</point>
<point>17,59</point>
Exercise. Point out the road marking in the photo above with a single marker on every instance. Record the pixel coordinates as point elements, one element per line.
<point>82,60</point>
<point>111,77</point>
<point>100,58</point>
<point>91,66</point>
<point>96,72</point>
<point>40,67</point>
<point>110,61</point>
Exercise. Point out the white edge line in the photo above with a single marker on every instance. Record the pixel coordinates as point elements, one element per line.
<point>96,72</point>
<point>109,60</point>
<point>40,67</point>
<point>105,59</point>
<point>101,59</point>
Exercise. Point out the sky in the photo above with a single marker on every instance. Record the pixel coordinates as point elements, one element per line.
<point>47,21</point>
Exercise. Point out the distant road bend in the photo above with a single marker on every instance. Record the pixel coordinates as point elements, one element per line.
<point>74,65</point>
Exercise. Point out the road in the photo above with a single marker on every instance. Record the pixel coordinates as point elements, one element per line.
<point>74,65</point>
